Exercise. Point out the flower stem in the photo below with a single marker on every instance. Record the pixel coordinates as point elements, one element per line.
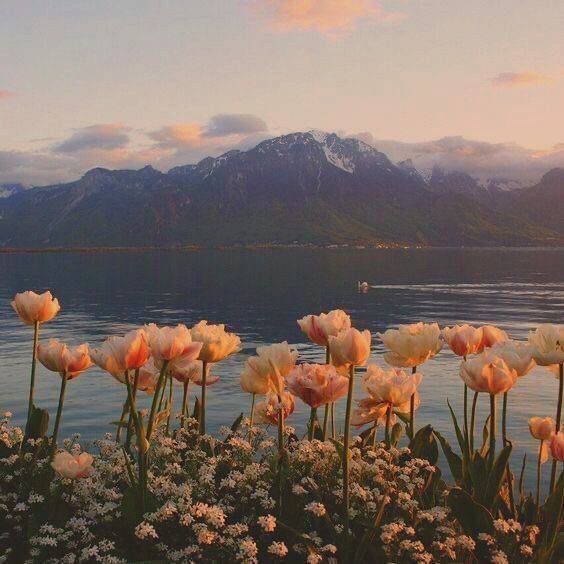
<point>130,420</point>
<point>466,431</point>
<point>388,421</point>
<point>280,425</point>
<point>311,428</point>
<point>333,428</point>
<point>504,420</point>
<point>252,417</point>
<point>203,398</point>
<point>152,413</point>
<point>185,403</point>
<point>492,429</point>
<point>375,429</point>
<point>346,450</point>
<point>472,422</point>
<point>539,476</point>
<point>170,403</point>
<point>326,420</point>
<point>122,420</point>
<point>141,452</point>
<point>64,378</point>
<point>558,422</point>
<point>412,410</point>
<point>32,379</point>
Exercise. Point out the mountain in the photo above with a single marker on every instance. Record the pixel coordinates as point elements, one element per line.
<point>306,188</point>
<point>7,190</point>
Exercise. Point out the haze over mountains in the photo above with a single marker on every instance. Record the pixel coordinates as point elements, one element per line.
<point>305,188</point>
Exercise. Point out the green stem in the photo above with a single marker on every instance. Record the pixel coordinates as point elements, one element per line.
<point>312,416</point>
<point>492,429</point>
<point>130,420</point>
<point>32,379</point>
<point>472,421</point>
<point>504,420</point>
<point>333,421</point>
<point>170,404</point>
<point>558,423</point>
<point>152,413</point>
<point>280,425</point>
<point>412,410</point>
<point>64,378</point>
<point>466,413</point>
<point>203,398</point>
<point>252,418</point>
<point>375,429</point>
<point>388,421</point>
<point>346,444</point>
<point>122,420</point>
<point>185,402</point>
<point>539,476</point>
<point>326,420</point>
<point>142,456</point>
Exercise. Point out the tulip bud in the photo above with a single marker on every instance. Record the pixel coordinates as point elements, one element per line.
<point>541,429</point>
<point>557,446</point>
<point>35,308</point>
<point>72,466</point>
<point>350,347</point>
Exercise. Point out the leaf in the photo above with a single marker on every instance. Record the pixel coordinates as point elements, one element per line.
<point>552,517</point>
<point>485,438</point>
<point>473,517</point>
<point>478,474</point>
<point>454,461</point>
<point>237,423</point>
<point>397,432</point>
<point>424,445</point>
<point>160,417</point>
<point>339,447</point>
<point>496,476</point>
<point>459,435</point>
<point>196,412</point>
<point>38,423</point>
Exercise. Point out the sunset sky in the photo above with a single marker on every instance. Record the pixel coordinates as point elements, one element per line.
<point>122,84</point>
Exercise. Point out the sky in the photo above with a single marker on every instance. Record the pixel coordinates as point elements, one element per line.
<point>475,85</point>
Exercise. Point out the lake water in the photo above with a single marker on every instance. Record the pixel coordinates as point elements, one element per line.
<point>259,294</point>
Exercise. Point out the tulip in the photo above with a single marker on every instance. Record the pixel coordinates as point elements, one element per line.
<point>319,328</point>
<point>547,342</point>
<point>557,446</point>
<point>170,343</point>
<point>315,385</point>
<point>34,309</point>
<point>269,411</point>
<point>492,335</point>
<point>217,344</point>
<point>69,363</point>
<point>117,355</point>
<point>463,340</point>
<point>72,466</point>
<point>541,428</point>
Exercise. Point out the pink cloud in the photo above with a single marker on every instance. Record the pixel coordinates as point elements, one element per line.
<point>183,134</point>
<point>329,17</point>
<point>5,94</point>
<point>516,79</point>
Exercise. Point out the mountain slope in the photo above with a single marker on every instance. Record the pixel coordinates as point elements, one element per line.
<point>309,187</point>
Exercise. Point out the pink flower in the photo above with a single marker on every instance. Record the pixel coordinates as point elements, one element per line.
<point>492,335</point>
<point>32,307</point>
<point>170,343</point>
<point>411,345</point>
<point>350,347</point>
<point>58,357</point>
<point>72,466</point>
<point>319,328</point>
<point>518,356</point>
<point>317,384</point>
<point>119,354</point>
<point>463,340</point>
<point>267,411</point>
<point>541,429</point>
<point>488,373</point>
<point>217,343</point>
<point>557,446</point>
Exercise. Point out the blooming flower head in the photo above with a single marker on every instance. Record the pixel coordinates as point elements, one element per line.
<point>547,342</point>
<point>72,466</point>
<point>186,370</point>
<point>319,328</point>
<point>557,446</point>
<point>463,340</point>
<point>265,372</point>
<point>492,335</point>
<point>411,345</point>
<point>148,378</point>
<point>58,357</point>
<point>32,307</point>
<point>488,373</point>
<point>268,410</point>
<point>541,428</point>
<point>350,347</point>
<point>317,384</point>
<point>217,344</point>
<point>518,356</point>
<point>392,386</point>
<point>170,343</point>
<point>120,354</point>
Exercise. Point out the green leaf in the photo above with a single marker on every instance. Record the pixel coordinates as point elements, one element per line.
<point>38,423</point>
<point>454,461</point>
<point>397,432</point>
<point>552,519</point>
<point>459,435</point>
<point>237,423</point>
<point>496,476</point>
<point>424,445</point>
<point>478,471</point>
<point>196,412</point>
<point>473,517</point>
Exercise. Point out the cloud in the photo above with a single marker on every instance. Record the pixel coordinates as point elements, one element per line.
<point>178,135</point>
<point>517,79</point>
<point>6,94</point>
<point>234,124</point>
<point>330,17</point>
<point>102,136</point>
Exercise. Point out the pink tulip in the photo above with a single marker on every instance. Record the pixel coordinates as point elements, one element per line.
<point>492,335</point>
<point>463,340</point>
<point>350,347</point>
<point>317,384</point>
<point>169,343</point>
<point>58,357</point>
<point>411,345</point>
<point>369,411</point>
<point>217,343</point>
<point>35,308</point>
<point>547,342</point>
<point>72,466</point>
<point>557,446</point>
<point>541,429</point>
<point>268,411</point>
<point>319,328</point>
<point>120,354</point>
<point>488,373</point>
<point>518,356</point>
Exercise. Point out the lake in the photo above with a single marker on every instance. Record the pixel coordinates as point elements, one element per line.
<point>259,294</point>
